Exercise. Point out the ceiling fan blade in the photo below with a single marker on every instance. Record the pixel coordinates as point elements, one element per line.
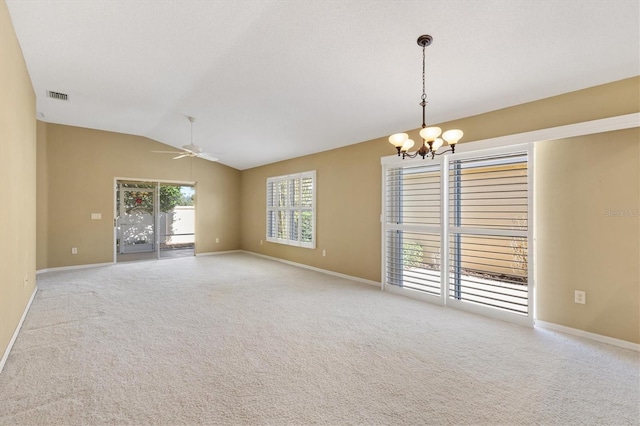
<point>181,156</point>
<point>167,152</point>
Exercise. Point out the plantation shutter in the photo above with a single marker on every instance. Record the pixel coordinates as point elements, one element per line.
<point>488,231</point>
<point>291,209</point>
<point>412,227</point>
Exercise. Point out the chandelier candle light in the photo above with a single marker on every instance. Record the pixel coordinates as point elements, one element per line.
<point>431,140</point>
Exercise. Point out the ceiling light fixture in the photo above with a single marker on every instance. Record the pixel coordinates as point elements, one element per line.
<point>431,140</point>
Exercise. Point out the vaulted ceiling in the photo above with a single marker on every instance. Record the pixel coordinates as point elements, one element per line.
<point>269,80</point>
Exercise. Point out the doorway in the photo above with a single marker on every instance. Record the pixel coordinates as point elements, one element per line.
<point>153,220</point>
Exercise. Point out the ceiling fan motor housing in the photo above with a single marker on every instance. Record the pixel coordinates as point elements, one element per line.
<point>193,148</point>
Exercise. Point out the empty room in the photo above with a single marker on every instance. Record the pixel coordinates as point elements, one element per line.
<point>320,212</point>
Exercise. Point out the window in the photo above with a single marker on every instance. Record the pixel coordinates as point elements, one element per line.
<point>291,209</point>
<point>488,231</point>
<point>413,227</point>
<point>458,231</point>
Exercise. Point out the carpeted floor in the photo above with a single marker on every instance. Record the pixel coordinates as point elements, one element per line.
<point>237,339</point>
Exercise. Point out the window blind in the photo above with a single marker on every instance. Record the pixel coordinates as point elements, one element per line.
<point>488,222</point>
<point>413,218</point>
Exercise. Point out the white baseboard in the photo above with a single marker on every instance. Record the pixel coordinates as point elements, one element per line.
<point>592,336</point>
<point>313,268</point>
<point>97,265</point>
<point>17,331</point>
<point>68,268</point>
<point>215,253</point>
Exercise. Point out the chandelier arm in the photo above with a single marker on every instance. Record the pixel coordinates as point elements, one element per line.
<point>451,150</point>
<point>406,154</point>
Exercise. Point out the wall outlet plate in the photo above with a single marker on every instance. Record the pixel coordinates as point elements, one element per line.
<point>580,297</point>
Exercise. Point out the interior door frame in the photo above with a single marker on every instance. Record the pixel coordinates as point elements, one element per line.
<point>157,183</point>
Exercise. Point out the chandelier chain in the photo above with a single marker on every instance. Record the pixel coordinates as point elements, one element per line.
<point>424,92</point>
<point>423,103</point>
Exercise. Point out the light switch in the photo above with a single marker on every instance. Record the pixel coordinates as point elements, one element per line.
<point>96,216</point>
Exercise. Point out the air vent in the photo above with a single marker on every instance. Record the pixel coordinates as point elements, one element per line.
<point>58,95</point>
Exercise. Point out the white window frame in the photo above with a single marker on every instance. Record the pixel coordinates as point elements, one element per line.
<point>434,229</point>
<point>448,230</point>
<point>444,299</point>
<point>289,179</point>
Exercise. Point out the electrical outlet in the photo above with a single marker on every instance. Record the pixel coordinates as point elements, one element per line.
<point>217,240</point>
<point>261,242</point>
<point>324,253</point>
<point>74,250</point>
<point>580,297</point>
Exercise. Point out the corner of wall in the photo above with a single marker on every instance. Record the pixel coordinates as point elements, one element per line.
<point>18,180</point>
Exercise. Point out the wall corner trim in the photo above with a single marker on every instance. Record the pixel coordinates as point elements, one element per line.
<point>591,336</point>
<point>17,330</point>
<point>313,268</point>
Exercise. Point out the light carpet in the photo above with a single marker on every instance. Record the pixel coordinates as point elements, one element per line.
<point>237,339</point>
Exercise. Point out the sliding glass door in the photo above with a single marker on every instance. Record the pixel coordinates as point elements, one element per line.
<point>154,220</point>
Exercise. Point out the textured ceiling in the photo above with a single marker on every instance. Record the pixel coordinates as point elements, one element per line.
<point>269,80</point>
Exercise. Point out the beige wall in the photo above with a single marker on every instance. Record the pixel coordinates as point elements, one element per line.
<point>587,222</point>
<point>18,182</point>
<point>349,205</point>
<point>81,167</point>
<point>347,210</point>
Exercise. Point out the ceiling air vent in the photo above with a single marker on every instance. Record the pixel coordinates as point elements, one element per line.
<point>58,95</point>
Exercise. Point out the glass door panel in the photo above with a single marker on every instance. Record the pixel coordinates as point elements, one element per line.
<point>136,218</point>
<point>177,220</point>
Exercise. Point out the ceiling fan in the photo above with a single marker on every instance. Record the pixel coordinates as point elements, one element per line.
<point>189,150</point>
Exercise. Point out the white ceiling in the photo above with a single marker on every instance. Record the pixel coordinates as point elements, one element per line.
<point>269,80</point>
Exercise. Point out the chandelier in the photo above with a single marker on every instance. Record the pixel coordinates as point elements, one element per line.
<point>431,140</point>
